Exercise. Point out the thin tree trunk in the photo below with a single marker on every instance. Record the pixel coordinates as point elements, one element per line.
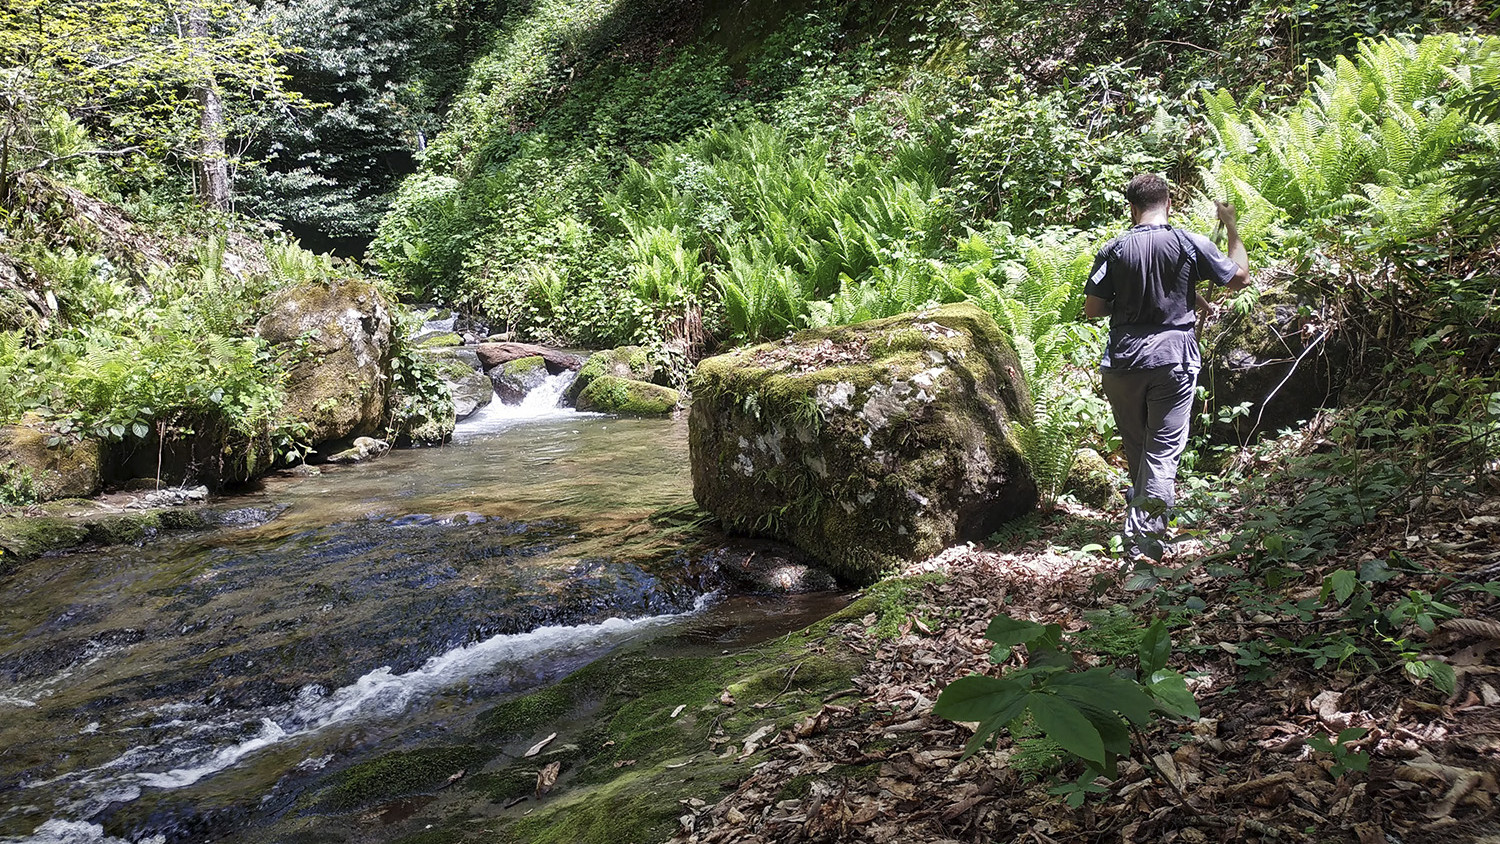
<point>213,164</point>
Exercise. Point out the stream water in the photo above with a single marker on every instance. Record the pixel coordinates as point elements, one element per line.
<point>388,601</point>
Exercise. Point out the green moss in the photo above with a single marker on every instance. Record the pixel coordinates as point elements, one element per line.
<point>453,369</point>
<point>609,394</point>
<point>635,808</point>
<point>524,366</point>
<point>400,774</point>
<point>179,518</point>
<point>440,341</point>
<point>28,537</point>
<point>127,529</point>
<point>1093,481</point>
<point>520,716</point>
<point>895,598</point>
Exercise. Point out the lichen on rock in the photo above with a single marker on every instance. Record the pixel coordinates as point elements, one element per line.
<point>869,444</point>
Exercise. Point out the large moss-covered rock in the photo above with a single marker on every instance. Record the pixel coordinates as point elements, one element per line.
<point>608,394</point>
<point>28,466</point>
<point>1266,360</point>
<point>869,444</point>
<point>632,362</point>
<point>337,338</point>
<point>513,379</point>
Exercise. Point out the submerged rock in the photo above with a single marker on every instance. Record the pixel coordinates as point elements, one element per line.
<point>337,339</point>
<point>513,379</point>
<point>608,394</point>
<point>363,448</point>
<point>865,445</point>
<point>66,469</point>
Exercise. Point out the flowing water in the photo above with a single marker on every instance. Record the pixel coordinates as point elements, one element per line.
<point>388,601</point>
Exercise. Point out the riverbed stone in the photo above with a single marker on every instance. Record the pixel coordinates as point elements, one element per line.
<point>1270,359</point>
<point>495,354</point>
<point>866,445</point>
<point>363,448</point>
<point>437,340</point>
<point>70,468</point>
<point>513,379</point>
<point>336,338</point>
<point>627,397</point>
<point>632,362</point>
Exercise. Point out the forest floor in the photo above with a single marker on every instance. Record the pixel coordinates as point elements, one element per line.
<point>887,769</point>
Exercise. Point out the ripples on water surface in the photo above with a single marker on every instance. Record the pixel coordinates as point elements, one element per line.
<point>388,600</point>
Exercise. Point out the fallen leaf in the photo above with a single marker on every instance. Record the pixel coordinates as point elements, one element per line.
<point>678,710</point>
<point>547,777</point>
<point>537,748</point>
<point>727,699</point>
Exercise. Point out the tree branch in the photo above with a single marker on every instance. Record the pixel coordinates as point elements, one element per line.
<point>48,162</point>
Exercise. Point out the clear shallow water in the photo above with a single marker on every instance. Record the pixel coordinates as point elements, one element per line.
<point>388,602</point>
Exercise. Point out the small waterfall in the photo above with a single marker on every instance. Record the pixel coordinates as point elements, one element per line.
<point>545,402</point>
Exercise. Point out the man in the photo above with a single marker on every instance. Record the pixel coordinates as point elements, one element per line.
<point>1145,281</point>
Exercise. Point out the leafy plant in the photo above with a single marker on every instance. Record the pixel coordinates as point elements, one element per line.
<point>1345,757</point>
<point>1088,713</point>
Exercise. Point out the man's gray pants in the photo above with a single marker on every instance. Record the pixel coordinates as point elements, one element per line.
<point>1152,409</point>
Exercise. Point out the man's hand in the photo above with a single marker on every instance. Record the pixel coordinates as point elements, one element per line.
<point>1227,214</point>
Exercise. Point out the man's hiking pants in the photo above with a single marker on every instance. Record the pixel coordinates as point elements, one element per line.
<point>1152,408</point>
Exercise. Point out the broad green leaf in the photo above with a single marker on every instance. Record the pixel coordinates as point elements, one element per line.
<point>976,698</point>
<point>1341,584</point>
<point>1170,689</point>
<point>1098,687</point>
<point>1062,722</point>
<point>1155,648</point>
<point>1007,631</point>
<point>994,723</point>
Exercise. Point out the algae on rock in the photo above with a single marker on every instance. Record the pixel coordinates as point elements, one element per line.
<point>869,444</point>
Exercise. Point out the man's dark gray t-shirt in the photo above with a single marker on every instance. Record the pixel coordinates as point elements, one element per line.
<point>1149,276</point>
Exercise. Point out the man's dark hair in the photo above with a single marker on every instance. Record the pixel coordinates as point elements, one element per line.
<point>1148,191</point>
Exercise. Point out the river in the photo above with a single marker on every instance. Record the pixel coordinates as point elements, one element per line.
<point>147,691</point>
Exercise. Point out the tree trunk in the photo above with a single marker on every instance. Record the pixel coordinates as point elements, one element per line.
<point>213,164</point>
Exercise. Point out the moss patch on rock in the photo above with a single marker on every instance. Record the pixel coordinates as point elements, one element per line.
<point>1092,480</point>
<point>866,445</point>
<point>66,469</point>
<point>25,537</point>
<point>400,774</point>
<point>609,394</point>
<point>513,379</point>
<point>631,362</point>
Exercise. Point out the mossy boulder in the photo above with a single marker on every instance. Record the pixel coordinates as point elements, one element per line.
<point>632,362</point>
<point>1093,481</point>
<point>336,339</point>
<point>437,340</point>
<point>419,424</point>
<point>24,537</point>
<point>608,394</point>
<point>67,469</point>
<point>866,445</point>
<point>470,388</point>
<point>513,379</point>
<point>1275,360</point>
